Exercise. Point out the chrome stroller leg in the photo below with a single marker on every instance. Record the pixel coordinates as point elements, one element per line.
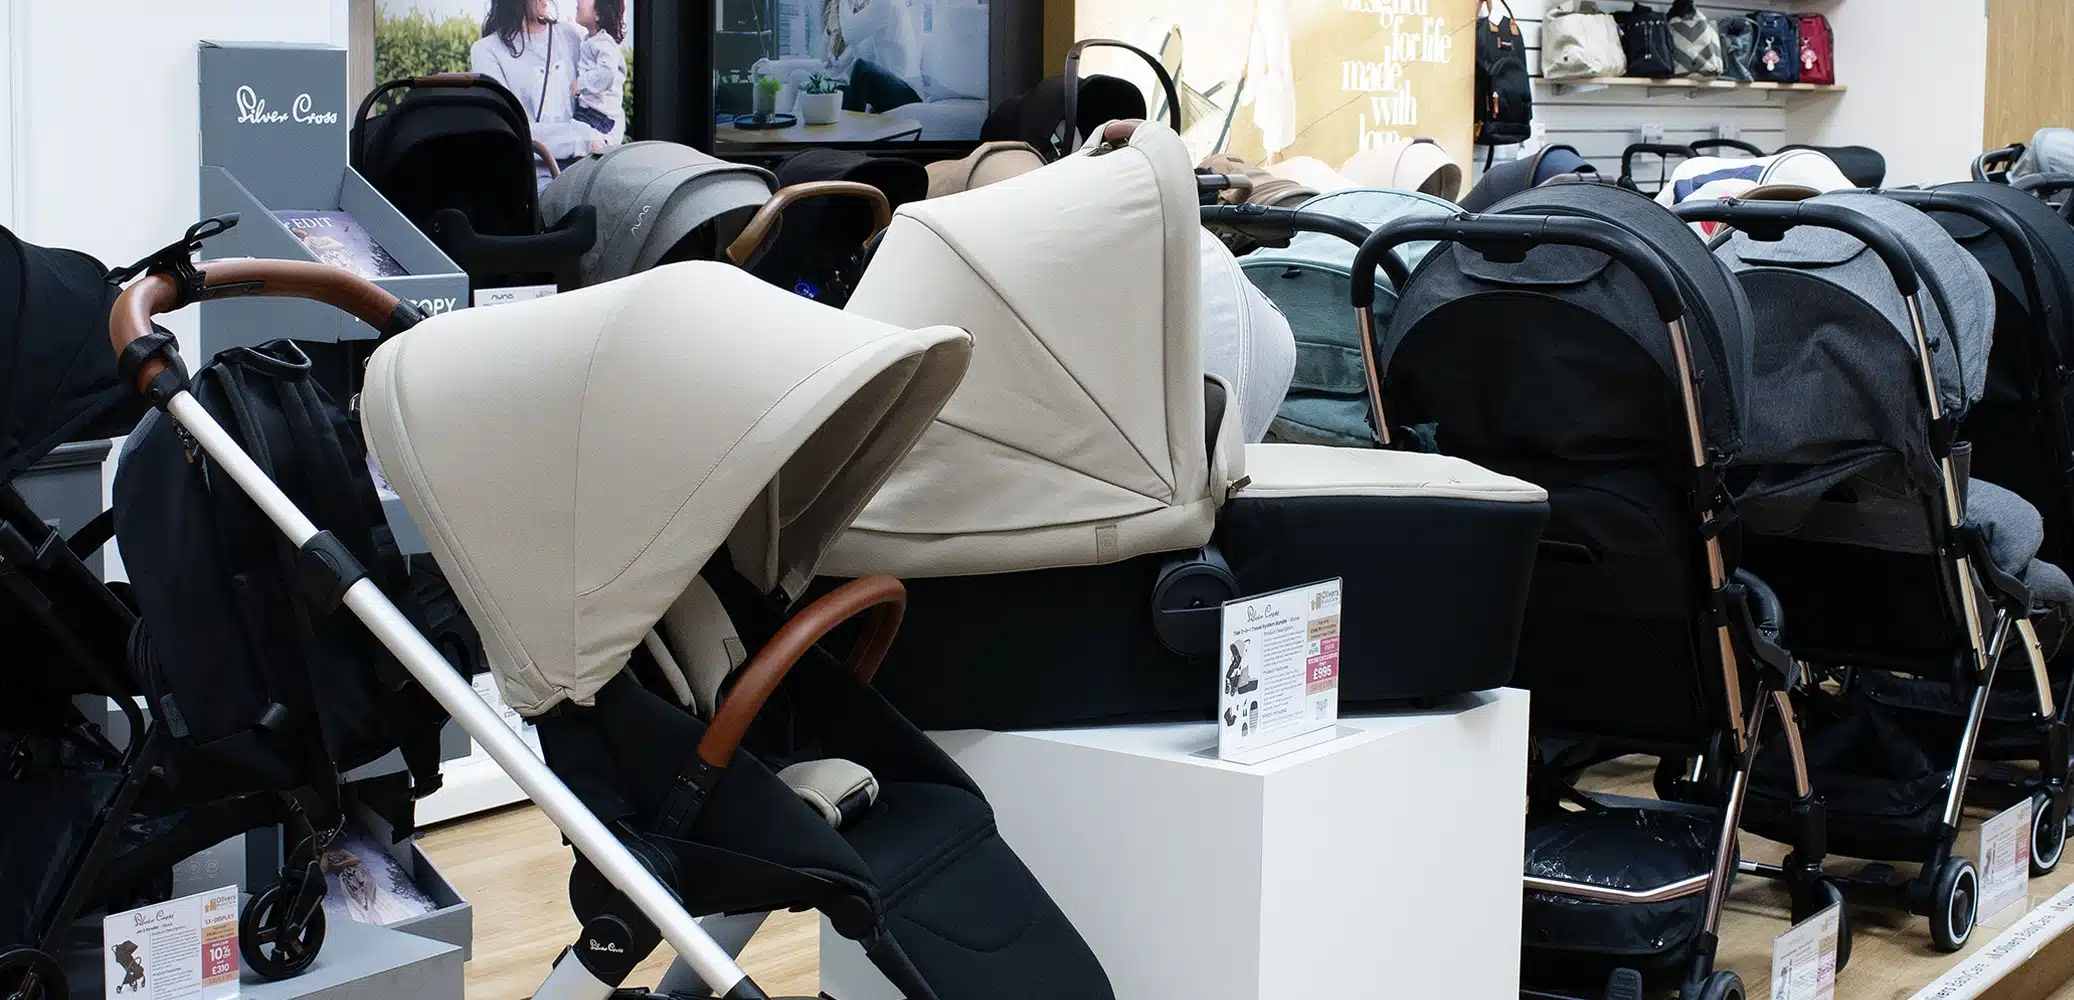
<point>572,980</point>
<point>1976,717</point>
<point>730,932</point>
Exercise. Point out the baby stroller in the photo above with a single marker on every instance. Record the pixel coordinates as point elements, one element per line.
<point>1864,166</point>
<point>662,203</point>
<point>1909,581</point>
<point>821,407</point>
<point>454,153</point>
<point>92,827</point>
<point>1581,337</point>
<point>1547,165</point>
<point>1090,470</point>
<point>1306,278</point>
<point>770,779</point>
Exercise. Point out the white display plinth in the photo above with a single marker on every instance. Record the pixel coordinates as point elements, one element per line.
<point>1384,863</point>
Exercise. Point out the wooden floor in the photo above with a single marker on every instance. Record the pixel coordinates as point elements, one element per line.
<point>513,867</point>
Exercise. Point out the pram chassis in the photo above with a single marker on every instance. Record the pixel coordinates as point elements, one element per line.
<point>159,376</point>
<point>1509,238</point>
<point>1940,889</point>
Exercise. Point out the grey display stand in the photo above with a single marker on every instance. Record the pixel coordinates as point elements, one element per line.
<point>363,962</point>
<point>275,134</point>
<point>64,488</point>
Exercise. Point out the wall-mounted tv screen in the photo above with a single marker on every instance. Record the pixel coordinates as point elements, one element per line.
<point>567,61</point>
<point>849,72</point>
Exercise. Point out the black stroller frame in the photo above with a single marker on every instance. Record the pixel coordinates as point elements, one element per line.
<point>1742,611</point>
<point>1991,606</point>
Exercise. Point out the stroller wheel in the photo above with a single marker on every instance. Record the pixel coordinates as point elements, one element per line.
<point>1827,894</point>
<point>268,939</point>
<point>1722,985</point>
<point>1955,905</point>
<point>2048,838</point>
<point>28,974</point>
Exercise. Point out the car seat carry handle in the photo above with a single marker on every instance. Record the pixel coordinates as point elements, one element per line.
<point>1282,222</point>
<point>1993,165</point>
<point>765,222</point>
<point>1507,239</point>
<point>450,80</point>
<point>2045,186</point>
<point>130,326</point>
<point>1702,146</point>
<point>1071,140</point>
<point>1769,221</point>
<point>175,282</point>
<point>883,596</point>
<point>570,238</point>
<point>1662,149</point>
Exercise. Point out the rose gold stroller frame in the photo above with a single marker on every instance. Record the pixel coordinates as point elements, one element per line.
<point>1986,642</point>
<point>1505,237</point>
<point>153,362</point>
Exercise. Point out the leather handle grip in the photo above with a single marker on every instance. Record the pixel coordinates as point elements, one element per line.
<point>448,80</point>
<point>882,595</point>
<point>160,293</point>
<point>547,156</point>
<point>766,219</point>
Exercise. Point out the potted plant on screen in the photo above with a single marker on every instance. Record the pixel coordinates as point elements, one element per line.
<point>767,88</point>
<point>820,101</point>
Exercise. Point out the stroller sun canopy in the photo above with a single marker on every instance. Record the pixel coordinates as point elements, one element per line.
<point>649,197</point>
<point>575,460</point>
<point>1079,437</point>
<point>58,381</point>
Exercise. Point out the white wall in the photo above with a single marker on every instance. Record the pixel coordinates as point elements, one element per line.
<point>1917,70</point>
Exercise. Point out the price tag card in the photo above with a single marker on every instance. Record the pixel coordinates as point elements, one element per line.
<point>1279,687</point>
<point>183,949</point>
<point>486,688</point>
<point>506,296</point>
<point>1804,958</point>
<point>2004,863</point>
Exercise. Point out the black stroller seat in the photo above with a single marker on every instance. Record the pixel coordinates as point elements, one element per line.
<point>456,155</point>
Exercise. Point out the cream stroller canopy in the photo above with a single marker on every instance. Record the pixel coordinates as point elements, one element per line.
<point>575,460</point>
<point>1079,437</point>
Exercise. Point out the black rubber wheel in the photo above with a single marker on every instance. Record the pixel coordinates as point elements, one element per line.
<point>1722,985</point>
<point>267,945</point>
<point>2048,839</point>
<point>28,974</point>
<point>1954,905</point>
<point>1833,894</point>
<point>1669,779</point>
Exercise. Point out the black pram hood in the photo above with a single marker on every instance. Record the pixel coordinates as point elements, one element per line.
<point>58,379</point>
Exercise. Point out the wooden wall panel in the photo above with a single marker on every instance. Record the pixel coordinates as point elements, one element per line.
<point>2030,68</point>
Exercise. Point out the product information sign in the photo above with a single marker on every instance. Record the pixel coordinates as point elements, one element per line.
<point>486,688</point>
<point>183,949</point>
<point>1278,690</point>
<point>2004,863</point>
<point>1804,958</point>
<point>507,296</point>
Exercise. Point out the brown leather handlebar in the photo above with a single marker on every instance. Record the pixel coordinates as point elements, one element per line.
<point>759,228</point>
<point>1118,133</point>
<point>882,595</point>
<point>540,150</point>
<point>448,80</point>
<point>293,279</point>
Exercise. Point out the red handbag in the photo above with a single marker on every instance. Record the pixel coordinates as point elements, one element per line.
<point>1817,49</point>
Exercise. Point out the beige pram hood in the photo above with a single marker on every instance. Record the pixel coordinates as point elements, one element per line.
<point>573,461</point>
<point>1079,437</point>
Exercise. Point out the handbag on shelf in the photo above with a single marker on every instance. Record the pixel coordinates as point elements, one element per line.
<point>1645,37</point>
<point>1778,49</point>
<point>1695,44</point>
<point>1578,41</point>
<point>1738,47</point>
<point>1817,49</point>
<point>1504,94</point>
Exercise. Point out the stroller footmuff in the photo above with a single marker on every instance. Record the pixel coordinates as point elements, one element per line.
<point>1088,470</point>
<point>1862,516</point>
<point>745,769</point>
<point>1581,338</point>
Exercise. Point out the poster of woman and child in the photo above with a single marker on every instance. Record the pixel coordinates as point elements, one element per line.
<point>565,60</point>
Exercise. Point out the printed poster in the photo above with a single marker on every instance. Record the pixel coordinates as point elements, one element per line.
<point>1271,80</point>
<point>182,949</point>
<point>1279,687</point>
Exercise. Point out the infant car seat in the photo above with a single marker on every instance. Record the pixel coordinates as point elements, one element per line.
<point>1072,521</point>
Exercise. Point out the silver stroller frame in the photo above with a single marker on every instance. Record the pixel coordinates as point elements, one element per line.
<point>1508,238</point>
<point>150,360</point>
<point>1947,890</point>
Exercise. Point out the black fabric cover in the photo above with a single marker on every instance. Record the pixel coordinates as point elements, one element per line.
<point>52,804</point>
<point>1883,784</point>
<point>925,864</point>
<point>1574,942</point>
<point>1434,589</point>
<point>58,379</point>
<point>1034,117</point>
<point>226,631</point>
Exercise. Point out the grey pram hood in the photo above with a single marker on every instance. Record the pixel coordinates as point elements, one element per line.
<point>1307,281</point>
<point>650,197</point>
<point>2051,151</point>
<point>1836,388</point>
